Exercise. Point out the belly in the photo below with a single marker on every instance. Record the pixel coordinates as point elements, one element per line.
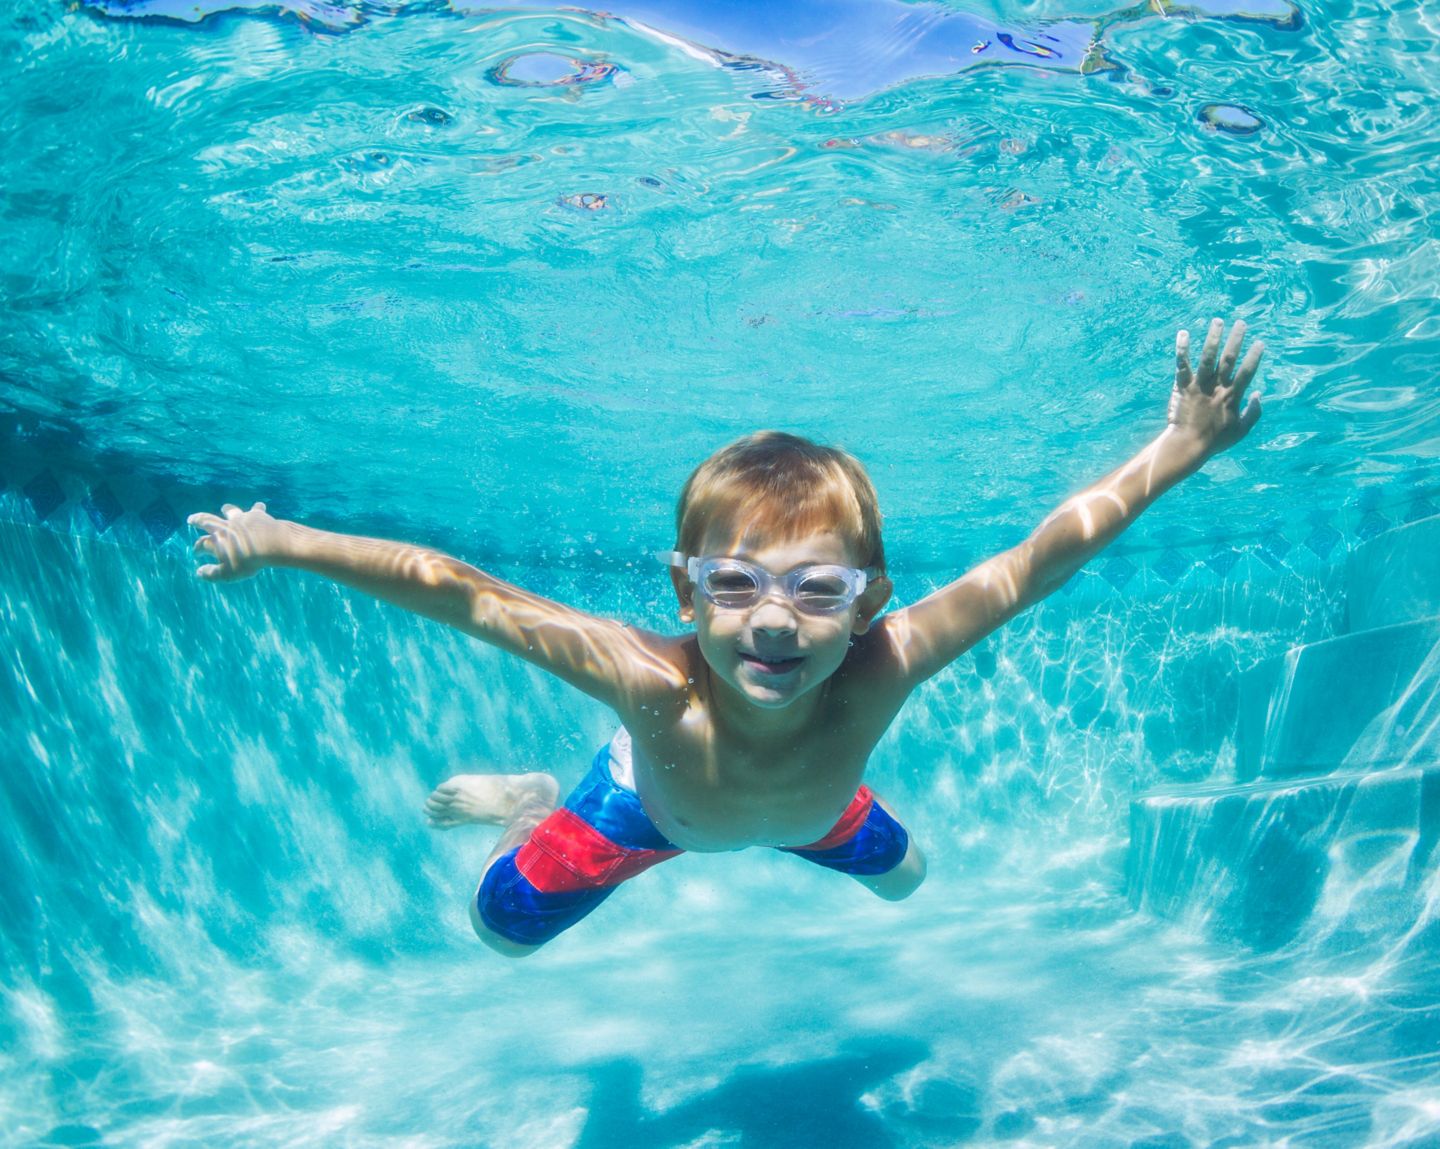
<point>715,818</point>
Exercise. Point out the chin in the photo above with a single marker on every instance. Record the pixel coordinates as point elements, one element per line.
<point>771,700</point>
<point>767,696</point>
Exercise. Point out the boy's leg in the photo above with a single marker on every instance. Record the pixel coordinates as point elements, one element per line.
<point>871,845</point>
<point>519,802</point>
<point>897,884</point>
<point>552,866</point>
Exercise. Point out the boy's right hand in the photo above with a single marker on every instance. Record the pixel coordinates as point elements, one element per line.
<point>242,542</point>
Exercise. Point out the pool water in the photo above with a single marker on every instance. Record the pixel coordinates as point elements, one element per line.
<point>494,279</point>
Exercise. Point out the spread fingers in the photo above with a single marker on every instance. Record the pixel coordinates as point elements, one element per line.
<point>1248,366</point>
<point>1208,354</point>
<point>1183,375</point>
<point>1231,353</point>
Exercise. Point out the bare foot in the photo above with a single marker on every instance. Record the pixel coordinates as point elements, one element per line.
<point>489,799</point>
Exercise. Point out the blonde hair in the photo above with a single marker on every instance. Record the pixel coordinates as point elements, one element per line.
<point>790,484</point>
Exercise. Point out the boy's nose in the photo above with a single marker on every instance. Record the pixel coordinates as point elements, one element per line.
<point>773,615</point>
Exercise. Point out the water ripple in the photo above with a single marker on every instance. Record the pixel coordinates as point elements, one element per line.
<point>324,227</point>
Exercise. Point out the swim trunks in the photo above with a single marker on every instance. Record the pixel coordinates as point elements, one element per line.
<point>601,836</point>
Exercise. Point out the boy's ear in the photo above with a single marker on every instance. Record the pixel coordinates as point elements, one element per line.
<point>871,603</point>
<point>685,592</point>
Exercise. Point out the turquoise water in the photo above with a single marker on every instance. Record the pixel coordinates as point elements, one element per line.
<point>375,265</point>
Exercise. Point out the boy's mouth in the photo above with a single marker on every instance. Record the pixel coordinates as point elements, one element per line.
<point>769,663</point>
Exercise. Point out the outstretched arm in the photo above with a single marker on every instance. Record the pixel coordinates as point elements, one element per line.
<point>1204,418</point>
<point>606,659</point>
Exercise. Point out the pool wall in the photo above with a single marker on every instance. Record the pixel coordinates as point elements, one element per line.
<point>215,793</point>
<point>227,751</point>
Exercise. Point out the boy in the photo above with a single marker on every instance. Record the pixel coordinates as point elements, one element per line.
<point>754,730</point>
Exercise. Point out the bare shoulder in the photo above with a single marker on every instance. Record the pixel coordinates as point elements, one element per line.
<point>917,641</point>
<point>872,679</point>
<point>654,668</point>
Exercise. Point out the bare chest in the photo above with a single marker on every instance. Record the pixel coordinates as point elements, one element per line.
<point>708,793</point>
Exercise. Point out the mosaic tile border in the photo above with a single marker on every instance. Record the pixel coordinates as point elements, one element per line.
<point>126,511</point>
<point>138,511</point>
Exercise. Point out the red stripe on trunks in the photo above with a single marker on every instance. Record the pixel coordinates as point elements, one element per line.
<point>566,853</point>
<point>849,824</point>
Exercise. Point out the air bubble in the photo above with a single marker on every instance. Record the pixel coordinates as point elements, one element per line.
<point>430,114</point>
<point>1229,118</point>
<point>548,70</point>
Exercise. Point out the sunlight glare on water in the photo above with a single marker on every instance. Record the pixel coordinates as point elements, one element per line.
<point>292,244</point>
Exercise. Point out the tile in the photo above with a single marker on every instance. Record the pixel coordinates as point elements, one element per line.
<point>1118,571</point>
<point>102,508</point>
<point>160,521</point>
<point>1222,560</point>
<point>1171,566</point>
<point>1323,540</point>
<point>44,494</point>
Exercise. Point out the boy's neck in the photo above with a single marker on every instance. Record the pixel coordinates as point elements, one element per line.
<point>739,717</point>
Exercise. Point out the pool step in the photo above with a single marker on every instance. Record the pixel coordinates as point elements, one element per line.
<point>1395,576</point>
<point>1257,861</point>
<point>1335,811</point>
<point>1361,701</point>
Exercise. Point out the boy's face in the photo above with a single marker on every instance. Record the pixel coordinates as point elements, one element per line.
<point>771,652</point>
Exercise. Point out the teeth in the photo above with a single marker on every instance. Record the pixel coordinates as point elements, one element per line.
<point>772,660</point>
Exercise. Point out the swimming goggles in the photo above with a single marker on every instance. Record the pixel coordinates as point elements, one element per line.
<point>733,584</point>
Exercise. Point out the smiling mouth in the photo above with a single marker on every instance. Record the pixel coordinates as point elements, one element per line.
<point>770,664</point>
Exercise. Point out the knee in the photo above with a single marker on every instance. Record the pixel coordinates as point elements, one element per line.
<point>504,946</point>
<point>898,884</point>
<point>497,942</point>
<point>898,888</point>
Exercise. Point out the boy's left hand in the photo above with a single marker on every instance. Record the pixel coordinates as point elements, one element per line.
<point>1205,404</point>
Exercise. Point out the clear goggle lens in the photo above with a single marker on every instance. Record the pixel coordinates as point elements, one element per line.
<point>733,584</point>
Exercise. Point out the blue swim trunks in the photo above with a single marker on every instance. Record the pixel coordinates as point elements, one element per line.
<point>601,836</point>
